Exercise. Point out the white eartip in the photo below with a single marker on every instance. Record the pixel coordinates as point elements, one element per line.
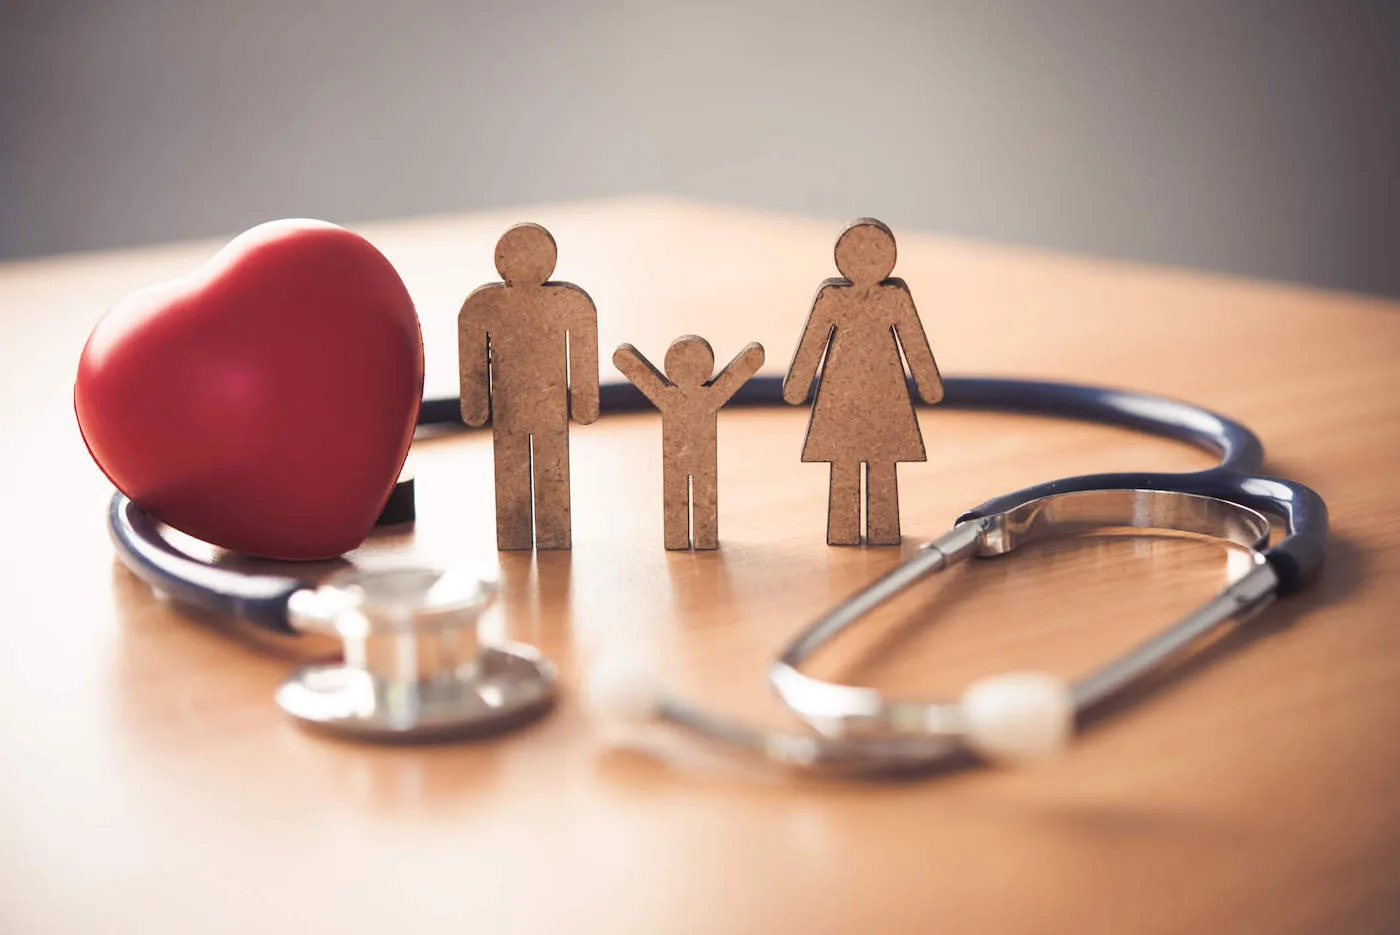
<point>1018,716</point>
<point>623,687</point>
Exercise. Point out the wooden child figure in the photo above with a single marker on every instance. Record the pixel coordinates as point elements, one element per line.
<point>528,357</point>
<point>689,399</point>
<point>863,415</point>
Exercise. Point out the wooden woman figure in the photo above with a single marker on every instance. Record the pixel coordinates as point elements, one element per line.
<point>863,414</point>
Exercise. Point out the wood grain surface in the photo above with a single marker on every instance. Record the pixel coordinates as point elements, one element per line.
<point>148,784</point>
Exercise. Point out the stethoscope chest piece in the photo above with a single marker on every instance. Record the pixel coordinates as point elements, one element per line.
<point>414,669</point>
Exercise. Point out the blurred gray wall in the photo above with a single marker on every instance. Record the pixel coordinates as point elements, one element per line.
<point>1260,138</point>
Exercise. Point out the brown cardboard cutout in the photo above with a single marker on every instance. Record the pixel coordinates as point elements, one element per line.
<point>689,400</point>
<point>527,358</point>
<point>858,334</point>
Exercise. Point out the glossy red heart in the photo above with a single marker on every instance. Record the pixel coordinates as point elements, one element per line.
<point>264,403</point>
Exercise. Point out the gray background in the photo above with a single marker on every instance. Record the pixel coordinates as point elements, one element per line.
<point>1260,138</point>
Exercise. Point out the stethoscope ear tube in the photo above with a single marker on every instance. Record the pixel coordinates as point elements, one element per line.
<point>260,599</point>
<point>1296,559</point>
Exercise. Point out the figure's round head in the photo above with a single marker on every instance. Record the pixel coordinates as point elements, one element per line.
<point>525,255</point>
<point>865,252</point>
<point>689,361</point>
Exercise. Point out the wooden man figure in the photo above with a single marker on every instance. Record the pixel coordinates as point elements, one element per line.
<point>689,399</point>
<point>863,414</point>
<point>528,357</point>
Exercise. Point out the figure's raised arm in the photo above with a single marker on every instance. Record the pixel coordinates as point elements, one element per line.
<point>917,352</point>
<point>636,368</point>
<point>810,348</point>
<point>474,324</point>
<point>582,324</point>
<point>737,372</point>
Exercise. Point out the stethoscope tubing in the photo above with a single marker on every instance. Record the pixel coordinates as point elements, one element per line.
<point>262,598</point>
<point>1238,448</point>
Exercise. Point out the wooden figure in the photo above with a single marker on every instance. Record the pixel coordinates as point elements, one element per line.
<point>863,414</point>
<point>528,358</point>
<point>689,399</point>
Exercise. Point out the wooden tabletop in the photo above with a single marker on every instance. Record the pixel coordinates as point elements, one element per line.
<point>149,784</point>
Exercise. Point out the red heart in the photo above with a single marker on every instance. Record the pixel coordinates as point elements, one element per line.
<point>265,403</point>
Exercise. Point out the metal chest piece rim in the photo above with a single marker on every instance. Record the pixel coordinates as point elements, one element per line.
<point>414,670</point>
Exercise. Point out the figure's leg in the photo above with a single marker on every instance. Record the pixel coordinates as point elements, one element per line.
<point>551,467</point>
<point>843,506</point>
<point>514,524</point>
<point>704,506</point>
<point>675,505</point>
<point>881,505</point>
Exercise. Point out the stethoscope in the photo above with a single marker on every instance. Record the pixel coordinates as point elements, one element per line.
<point>413,667</point>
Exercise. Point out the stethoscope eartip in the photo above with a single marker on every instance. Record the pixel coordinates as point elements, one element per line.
<point>622,686</point>
<point>1018,716</point>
